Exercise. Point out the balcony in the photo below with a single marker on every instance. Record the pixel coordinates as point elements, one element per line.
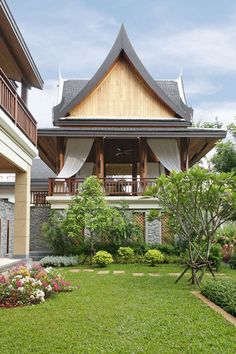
<point>16,109</point>
<point>111,186</point>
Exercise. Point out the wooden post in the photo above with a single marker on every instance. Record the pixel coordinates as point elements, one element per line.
<point>60,153</point>
<point>143,163</point>
<point>184,145</point>
<point>99,157</point>
<point>143,157</point>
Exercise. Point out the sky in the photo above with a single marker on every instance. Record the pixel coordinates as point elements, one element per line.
<point>197,38</point>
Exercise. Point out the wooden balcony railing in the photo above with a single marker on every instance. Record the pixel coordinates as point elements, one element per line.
<point>16,109</point>
<point>38,198</point>
<point>112,187</point>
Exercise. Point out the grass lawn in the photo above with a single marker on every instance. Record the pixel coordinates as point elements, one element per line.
<point>119,314</point>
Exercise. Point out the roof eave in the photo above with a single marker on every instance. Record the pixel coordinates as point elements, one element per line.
<point>37,82</point>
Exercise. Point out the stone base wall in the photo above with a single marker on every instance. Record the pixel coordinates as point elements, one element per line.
<point>38,216</point>
<point>6,228</point>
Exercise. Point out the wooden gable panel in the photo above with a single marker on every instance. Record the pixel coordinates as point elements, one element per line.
<point>122,93</point>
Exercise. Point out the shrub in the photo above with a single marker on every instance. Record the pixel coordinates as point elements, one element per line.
<point>25,285</point>
<point>126,253</point>
<point>232,261</point>
<point>102,258</point>
<point>222,293</point>
<point>56,237</point>
<point>153,256</point>
<point>59,261</point>
<point>215,256</point>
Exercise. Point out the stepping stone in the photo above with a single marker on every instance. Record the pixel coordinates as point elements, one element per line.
<point>89,270</point>
<point>174,274</point>
<point>74,270</point>
<point>138,274</point>
<point>154,274</point>
<point>118,272</point>
<point>103,272</point>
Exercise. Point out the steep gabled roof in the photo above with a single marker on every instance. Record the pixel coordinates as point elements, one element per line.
<point>121,46</point>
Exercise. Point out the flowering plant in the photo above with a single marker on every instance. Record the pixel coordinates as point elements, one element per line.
<point>29,285</point>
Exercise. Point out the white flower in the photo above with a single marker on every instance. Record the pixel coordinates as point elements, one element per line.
<point>10,286</point>
<point>42,299</point>
<point>39,294</point>
<point>49,288</point>
<point>21,289</point>
<point>32,297</point>
<point>18,276</point>
<point>48,269</point>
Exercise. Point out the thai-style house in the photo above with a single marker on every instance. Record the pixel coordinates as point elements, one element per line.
<point>124,127</point>
<point>18,132</point>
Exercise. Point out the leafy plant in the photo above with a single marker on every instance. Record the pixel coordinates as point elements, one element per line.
<point>222,293</point>
<point>126,253</point>
<point>153,257</point>
<point>232,261</point>
<point>56,237</point>
<point>59,261</point>
<point>215,256</point>
<point>197,203</point>
<point>102,258</point>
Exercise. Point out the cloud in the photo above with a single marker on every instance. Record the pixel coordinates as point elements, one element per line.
<point>225,111</point>
<point>41,103</point>
<point>211,48</point>
<point>197,87</point>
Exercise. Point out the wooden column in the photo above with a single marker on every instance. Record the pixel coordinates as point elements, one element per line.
<point>143,157</point>
<point>184,145</point>
<point>60,153</point>
<point>99,148</point>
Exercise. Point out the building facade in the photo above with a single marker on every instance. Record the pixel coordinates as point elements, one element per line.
<point>18,131</point>
<point>124,127</point>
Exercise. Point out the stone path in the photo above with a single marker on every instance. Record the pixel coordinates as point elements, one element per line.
<point>137,274</point>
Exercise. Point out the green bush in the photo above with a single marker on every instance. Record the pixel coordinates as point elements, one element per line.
<point>222,293</point>
<point>153,256</point>
<point>102,258</point>
<point>57,240</point>
<point>215,256</point>
<point>126,254</point>
<point>59,261</point>
<point>232,261</point>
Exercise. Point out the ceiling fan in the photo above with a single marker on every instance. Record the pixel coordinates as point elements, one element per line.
<point>120,151</point>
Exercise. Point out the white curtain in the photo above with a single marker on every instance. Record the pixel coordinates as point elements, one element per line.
<point>153,169</point>
<point>86,170</point>
<point>77,151</point>
<point>167,152</point>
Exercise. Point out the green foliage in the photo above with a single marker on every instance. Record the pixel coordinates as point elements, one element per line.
<point>59,261</point>
<point>126,253</point>
<point>215,256</point>
<point>227,234</point>
<point>56,237</point>
<point>128,231</point>
<point>90,214</point>
<point>232,261</point>
<point>102,258</point>
<point>153,257</point>
<point>224,159</point>
<point>222,293</point>
<point>197,203</point>
<point>216,124</point>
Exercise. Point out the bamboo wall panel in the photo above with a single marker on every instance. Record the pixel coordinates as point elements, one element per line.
<point>122,93</point>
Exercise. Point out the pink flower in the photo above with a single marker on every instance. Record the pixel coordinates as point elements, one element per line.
<point>18,283</point>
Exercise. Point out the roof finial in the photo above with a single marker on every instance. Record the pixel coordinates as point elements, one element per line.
<point>60,86</point>
<point>180,83</point>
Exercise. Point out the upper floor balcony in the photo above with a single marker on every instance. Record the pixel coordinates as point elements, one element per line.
<point>16,109</point>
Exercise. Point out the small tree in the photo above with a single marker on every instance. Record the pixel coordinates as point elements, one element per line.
<point>224,159</point>
<point>197,202</point>
<point>89,216</point>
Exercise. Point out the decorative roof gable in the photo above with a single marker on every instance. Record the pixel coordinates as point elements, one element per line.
<point>121,46</point>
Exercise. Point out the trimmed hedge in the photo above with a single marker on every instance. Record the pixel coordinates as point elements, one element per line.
<point>59,261</point>
<point>222,293</point>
